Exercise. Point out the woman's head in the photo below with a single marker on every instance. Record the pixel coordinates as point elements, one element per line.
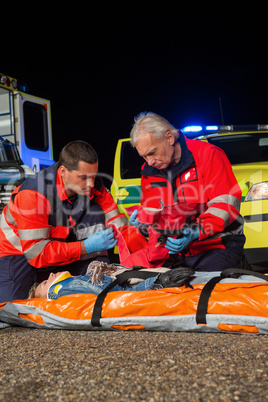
<point>39,290</point>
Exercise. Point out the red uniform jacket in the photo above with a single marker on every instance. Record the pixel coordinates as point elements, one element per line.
<point>202,189</point>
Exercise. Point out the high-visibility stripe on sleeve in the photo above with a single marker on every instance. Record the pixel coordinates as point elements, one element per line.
<point>120,221</point>
<point>116,218</point>
<point>116,214</point>
<point>219,213</point>
<point>9,217</point>
<point>34,234</point>
<point>36,249</point>
<point>8,231</point>
<point>111,214</point>
<point>227,199</point>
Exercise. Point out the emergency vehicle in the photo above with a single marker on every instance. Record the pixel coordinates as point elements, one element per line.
<point>247,149</point>
<point>25,135</point>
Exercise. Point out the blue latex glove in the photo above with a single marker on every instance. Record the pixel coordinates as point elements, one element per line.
<point>133,218</point>
<point>100,241</point>
<point>177,245</point>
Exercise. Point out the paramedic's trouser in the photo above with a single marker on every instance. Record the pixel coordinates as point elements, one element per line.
<point>213,260</point>
<point>16,277</point>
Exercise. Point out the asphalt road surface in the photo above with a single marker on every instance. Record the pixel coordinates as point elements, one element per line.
<point>60,365</point>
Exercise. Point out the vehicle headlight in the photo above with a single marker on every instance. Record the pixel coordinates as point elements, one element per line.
<point>258,191</point>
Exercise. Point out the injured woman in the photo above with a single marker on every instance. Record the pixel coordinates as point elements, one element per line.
<point>100,275</point>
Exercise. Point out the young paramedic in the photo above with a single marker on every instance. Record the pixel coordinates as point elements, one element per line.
<point>195,177</point>
<point>58,218</point>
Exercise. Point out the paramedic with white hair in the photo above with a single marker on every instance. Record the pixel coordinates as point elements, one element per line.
<point>179,171</point>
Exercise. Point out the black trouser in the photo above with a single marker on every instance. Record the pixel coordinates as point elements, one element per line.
<point>213,260</point>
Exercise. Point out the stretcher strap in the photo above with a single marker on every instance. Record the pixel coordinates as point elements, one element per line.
<point>208,288</point>
<point>120,279</point>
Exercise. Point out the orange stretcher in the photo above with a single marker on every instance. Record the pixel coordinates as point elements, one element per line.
<point>232,301</point>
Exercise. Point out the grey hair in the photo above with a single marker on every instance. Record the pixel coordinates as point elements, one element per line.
<point>152,123</point>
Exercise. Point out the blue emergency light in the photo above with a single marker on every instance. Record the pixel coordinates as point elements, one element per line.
<point>197,129</point>
<point>192,129</point>
<point>212,128</point>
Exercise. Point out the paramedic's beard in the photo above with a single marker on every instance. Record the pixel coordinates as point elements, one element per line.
<point>84,191</point>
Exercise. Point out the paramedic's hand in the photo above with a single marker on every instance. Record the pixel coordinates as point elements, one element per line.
<point>100,241</point>
<point>177,245</point>
<point>133,219</point>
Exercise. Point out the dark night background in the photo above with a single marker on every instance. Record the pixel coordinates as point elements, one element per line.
<point>101,68</point>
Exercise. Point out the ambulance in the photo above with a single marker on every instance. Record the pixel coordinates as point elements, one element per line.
<point>25,135</point>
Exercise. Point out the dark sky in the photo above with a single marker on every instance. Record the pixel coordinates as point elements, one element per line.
<point>101,69</point>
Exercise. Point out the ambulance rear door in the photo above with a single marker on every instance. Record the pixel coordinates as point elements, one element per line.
<point>34,133</point>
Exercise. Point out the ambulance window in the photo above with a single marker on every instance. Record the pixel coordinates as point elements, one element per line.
<point>35,126</point>
<point>131,162</point>
<point>243,148</point>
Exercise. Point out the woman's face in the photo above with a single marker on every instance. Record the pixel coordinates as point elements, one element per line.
<point>42,288</point>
